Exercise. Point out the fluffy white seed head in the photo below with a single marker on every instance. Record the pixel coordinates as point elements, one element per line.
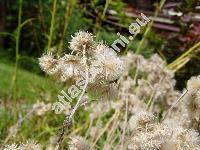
<point>31,145</point>
<point>48,64</point>
<point>191,103</point>
<point>11,147</point>
<point>194,83</point>
<point>80,41</point>
<point>152,80</point>
<point>141,119</point>
<point>108,65</point>
<point>182,139</point>
<point>78,143</point>
<point>102,62</point>
<point>103,48</point>
<point>69,66</point>
<point>150,139</point>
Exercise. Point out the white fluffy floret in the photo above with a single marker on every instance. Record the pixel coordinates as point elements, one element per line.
<point>11,147</point>
<point>194,83</point>
<point>151,139</point>
<point>69,66</point>
<point>48,64</point>
<point>82,40</point>
<point>107,64</point>
<point>78,143</point>
<point>182,139</point>
<point>141,119</point>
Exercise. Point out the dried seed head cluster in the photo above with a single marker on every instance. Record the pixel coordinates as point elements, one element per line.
<point>162,136</point>
<point>82,40</point>
<point>151,139</point>
<point>182,139</point>
<point>146,133</point>
<point>189,113</point>
<point>105,61</point>
<point>149,79</point>
<point>11,147</point>
<point>102,62</point>
<point>28,145</point>
<point>78,143</point>
<point>48,64</point>
<point>141,119</point>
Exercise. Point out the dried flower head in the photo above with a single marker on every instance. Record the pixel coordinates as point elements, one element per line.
<point>11,147</point>
<point>141,119</point>
<point>69,66</point>
<point>48,64</point>
<point>191,103</point>
<point>150,139</point>
<point>80,41</point>
<point>78,143</point>
<point>107,64</point>
<point>30,145</point>
<point>182,139</point>
<point>102,48</point>
<point>150,79</point>
<point>194,83</point>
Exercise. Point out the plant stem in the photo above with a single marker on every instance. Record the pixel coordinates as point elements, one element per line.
<point>175,62</point>
<point>105,128</point>
<point>125,126</point>
<point>17,38</point>
<point>52,25</point>
<point>99,22</point>
<point>138,50</point>
<point>105,9</point>
<point>68,13</point>
<point>174,104</point>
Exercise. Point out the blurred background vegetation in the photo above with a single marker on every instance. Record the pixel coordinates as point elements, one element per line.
<point>30,28</point>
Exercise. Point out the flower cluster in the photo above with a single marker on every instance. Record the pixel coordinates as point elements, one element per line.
<point>149,79</point>
<point>92,61</point>
<point>28,145</point>
<point>150,135</point>
<point>101,61</point>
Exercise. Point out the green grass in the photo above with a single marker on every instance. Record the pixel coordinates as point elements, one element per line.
<point>29,86</point>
